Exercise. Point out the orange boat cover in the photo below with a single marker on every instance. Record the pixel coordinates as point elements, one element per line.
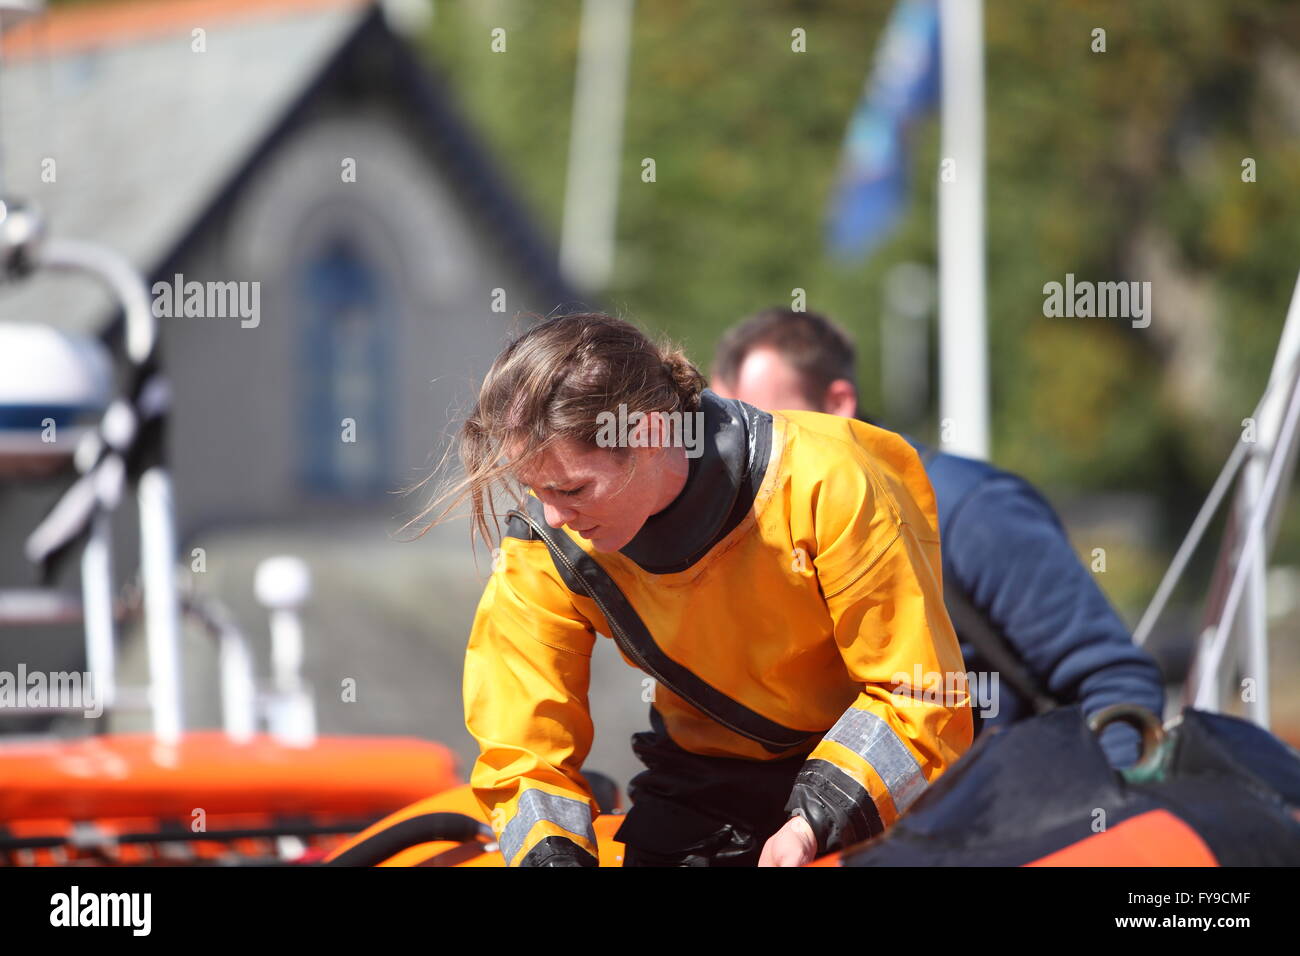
<point>133,775</point>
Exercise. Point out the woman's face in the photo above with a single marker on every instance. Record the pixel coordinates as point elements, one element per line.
<point>605,495</point>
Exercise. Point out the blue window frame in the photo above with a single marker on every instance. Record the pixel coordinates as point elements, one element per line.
<point>349,321</point>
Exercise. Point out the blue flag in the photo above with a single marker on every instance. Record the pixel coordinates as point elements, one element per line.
<point>873,171</point>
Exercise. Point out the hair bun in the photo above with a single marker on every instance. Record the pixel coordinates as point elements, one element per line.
<point>686,377</point>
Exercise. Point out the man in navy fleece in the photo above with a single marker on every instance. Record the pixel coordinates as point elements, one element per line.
<point>1010,574</point>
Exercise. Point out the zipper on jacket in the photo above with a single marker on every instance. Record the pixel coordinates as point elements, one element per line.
<point>625,642</point>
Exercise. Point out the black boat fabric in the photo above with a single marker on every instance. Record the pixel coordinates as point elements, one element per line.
<point>1035,787</point>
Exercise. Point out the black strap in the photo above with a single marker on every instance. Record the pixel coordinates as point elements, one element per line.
<point>974,626</point>
<point>583,575</point>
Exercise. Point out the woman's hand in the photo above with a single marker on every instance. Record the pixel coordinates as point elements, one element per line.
<point>793,845</point>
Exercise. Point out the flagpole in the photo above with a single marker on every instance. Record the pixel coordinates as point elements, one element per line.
<point>963,334</point>
<point>596,143</point>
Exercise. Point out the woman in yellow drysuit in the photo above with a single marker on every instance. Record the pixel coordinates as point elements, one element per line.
<point>777,574</point>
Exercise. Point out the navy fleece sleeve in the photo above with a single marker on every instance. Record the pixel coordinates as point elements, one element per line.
<point>1011,555</point>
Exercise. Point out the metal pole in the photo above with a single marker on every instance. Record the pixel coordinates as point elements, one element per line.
<point>122,279</point>
<point>97,607</point>
<point>157,521</point>
<point>1188,547</point>
<point>238,685</point>
<point>1208,663</point>
<point>282,584</point>
<point>1277,382</point>
<point>963,336</point>
<point>161,611</point>
<point>238,688</point>
<point>596,143</point>
<point>1286,365</point>
<point>1254,650</point>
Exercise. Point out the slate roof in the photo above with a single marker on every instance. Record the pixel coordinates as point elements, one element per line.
<point>150,138</point>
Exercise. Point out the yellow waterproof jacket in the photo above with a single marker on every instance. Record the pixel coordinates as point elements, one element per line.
<point>788,602</point>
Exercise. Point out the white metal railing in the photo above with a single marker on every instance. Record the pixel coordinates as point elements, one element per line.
<point>283,583</point>
<point>1265,467</point>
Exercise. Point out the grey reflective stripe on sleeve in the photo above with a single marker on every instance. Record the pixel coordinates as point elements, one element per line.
<point>573,815</point>
<point>874,741</point>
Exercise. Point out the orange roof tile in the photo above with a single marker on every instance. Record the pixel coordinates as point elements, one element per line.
<point>91,25</point>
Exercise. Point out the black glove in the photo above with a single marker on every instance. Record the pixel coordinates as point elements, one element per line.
<point>557,851</point>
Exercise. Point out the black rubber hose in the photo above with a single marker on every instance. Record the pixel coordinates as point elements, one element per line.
<point>426,828</point>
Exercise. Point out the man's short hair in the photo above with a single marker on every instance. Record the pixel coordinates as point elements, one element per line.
<point>816,348</point>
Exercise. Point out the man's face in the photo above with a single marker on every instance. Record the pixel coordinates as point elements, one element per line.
<point>766,380</point>
<point>602,494</point>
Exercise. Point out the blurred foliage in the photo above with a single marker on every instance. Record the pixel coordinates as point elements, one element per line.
<point>1090,156</point>
<point>1093,160</point>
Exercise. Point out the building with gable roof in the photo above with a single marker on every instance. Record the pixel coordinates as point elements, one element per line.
<point>376,305</point>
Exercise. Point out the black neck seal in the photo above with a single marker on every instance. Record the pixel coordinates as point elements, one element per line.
<point>720,489</point>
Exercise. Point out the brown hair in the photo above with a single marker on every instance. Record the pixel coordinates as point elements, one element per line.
<point>818,349</point>
<point>551,384</point>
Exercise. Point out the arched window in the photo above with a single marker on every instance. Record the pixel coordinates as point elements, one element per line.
<point>349,322</point>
